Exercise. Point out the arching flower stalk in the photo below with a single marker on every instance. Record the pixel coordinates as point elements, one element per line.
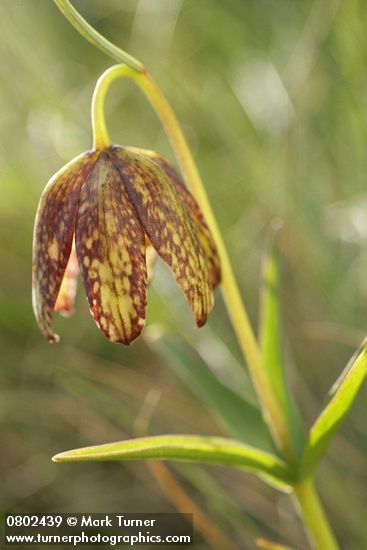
<point>119,204</point>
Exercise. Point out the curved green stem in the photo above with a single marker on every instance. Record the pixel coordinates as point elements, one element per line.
<point>95,38</point>
<point>101,138</point>
<point>313,515</point>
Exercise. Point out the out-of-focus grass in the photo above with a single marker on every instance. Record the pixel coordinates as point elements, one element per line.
<point>272,96</point>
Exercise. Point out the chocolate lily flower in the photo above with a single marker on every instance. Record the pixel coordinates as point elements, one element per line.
<point>118,204</point>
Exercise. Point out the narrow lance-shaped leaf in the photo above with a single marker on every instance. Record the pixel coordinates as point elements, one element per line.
<point>210,450</point>
<point>271,343</point>
<point>343,394</point>
<point>242,418</point>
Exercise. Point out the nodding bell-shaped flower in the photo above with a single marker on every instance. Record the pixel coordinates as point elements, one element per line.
<point>106,213</point>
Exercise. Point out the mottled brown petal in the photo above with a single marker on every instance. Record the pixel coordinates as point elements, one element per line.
<point>203,231</point>
<point>167,225</point>
<point>53,236</point>
<point>110,246</point>
<point>66,298</point>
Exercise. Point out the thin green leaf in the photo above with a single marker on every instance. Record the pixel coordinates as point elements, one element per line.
<point>210,450</point>
<point>271,344</point>
<point>242,419</point>
<point>343,394</point>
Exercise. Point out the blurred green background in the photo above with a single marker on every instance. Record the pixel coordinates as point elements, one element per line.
<point>272,97</point>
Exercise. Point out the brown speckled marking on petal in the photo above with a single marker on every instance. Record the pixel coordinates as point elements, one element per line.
<point>203,230</point>
<point>167,225</point>
<point>110,246</point>
<point>66,298</point>
<point>53,236</point>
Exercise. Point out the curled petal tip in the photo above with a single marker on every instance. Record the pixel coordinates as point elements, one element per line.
<point>65,311</point>
<point>201,322</point>
<point>202,319</point>
<point>125,342</point>
<point>53,338</point>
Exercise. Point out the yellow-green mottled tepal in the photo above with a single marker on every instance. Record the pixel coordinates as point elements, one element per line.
<point>111,209</point>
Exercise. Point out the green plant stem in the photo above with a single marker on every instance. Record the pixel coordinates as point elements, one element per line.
<point>313,515</point>
<point>101,138</point>
<point>312,512</point>
<point>94,37</point>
